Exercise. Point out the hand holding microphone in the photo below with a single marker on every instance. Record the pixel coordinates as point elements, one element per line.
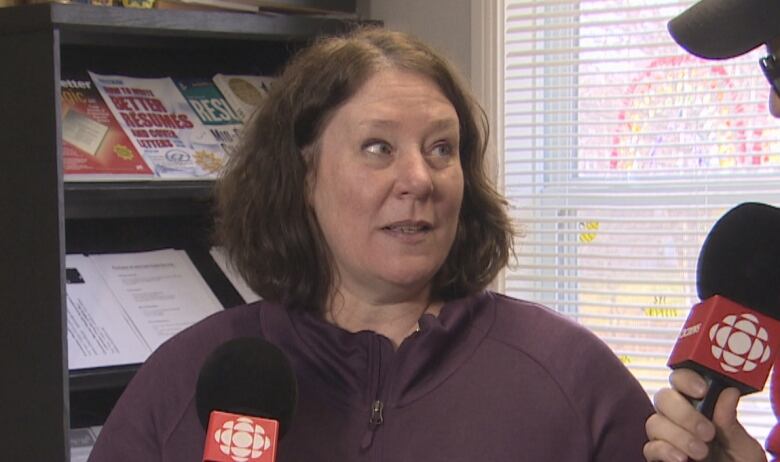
<point>730,340</point>
<point>245,398</point>
<point>679,432</point>
<point>732,337</point>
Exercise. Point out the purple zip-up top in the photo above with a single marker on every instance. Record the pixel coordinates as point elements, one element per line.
<point>490,379</point>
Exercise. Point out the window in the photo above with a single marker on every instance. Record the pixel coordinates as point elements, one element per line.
<point>620,151</point>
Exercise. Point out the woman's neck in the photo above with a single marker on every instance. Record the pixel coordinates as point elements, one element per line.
<point>396,320</point>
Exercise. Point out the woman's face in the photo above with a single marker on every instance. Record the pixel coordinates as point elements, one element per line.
<point>388,187</point>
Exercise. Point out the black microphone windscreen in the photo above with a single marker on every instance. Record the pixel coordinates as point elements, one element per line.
<point>740,258</point>
<point>247,376</point>
<point>721,29</point>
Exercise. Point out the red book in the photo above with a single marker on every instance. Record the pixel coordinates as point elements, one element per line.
<point>94,145</point>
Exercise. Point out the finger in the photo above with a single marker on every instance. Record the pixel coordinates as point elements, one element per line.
<point>732,436</point>
<point>726,408</point>
<point>678,443</point>
<point>688,383</point>
<point>662,451</point>
<point>677,409</point>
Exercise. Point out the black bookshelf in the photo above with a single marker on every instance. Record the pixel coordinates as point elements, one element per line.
<point>43,217</point>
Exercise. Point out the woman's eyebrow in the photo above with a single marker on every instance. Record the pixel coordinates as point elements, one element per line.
<point>438,124</point>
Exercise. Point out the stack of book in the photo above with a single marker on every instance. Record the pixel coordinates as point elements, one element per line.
<point>117,127</point>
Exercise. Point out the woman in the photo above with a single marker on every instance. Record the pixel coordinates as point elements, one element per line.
<point>358,208</point>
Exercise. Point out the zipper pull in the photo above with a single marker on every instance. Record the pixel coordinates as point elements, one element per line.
<point>374,421</point>
<point>376,414</point>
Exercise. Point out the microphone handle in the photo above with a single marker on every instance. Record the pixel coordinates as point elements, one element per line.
<point>706,405</point>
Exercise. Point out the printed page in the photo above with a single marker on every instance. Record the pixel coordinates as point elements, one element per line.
<point>238,282</point>
<point>83,132</point>
<point>100,331</point>
<point>161,291</point>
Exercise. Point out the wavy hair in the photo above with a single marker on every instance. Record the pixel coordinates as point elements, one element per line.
<point>263,218</point>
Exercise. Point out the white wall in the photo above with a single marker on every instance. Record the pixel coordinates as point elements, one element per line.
<point>442,24</point>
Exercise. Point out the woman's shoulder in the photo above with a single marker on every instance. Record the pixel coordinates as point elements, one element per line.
<point>198,340</point>
<point>586,370</point>
<point>177,361</point>
<point>533,323</point>
<point>172,369</point>
<point>555,341</point>
<point>160,397</point>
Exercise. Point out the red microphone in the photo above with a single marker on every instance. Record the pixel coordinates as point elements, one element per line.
<point>245,398</point>
<point>239,438</point>
<point>732,337</point>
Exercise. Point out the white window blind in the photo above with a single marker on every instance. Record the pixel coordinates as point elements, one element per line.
<point>620,151</point>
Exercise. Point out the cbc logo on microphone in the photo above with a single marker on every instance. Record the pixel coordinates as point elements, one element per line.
<point>739,343</point>
<point>242,440</point>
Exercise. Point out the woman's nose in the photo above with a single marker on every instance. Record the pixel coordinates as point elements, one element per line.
<point>413,175</point>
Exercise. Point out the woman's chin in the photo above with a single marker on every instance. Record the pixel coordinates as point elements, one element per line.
<point>408,280</point>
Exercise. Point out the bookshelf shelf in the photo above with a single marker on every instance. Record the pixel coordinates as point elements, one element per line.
<point>78,23</point>
<point>45,217</point>
<point>137,199</point>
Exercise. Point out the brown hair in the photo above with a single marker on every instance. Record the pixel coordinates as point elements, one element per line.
<point>263,218</point>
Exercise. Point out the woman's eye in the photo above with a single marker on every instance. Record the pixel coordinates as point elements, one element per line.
<point>378,148</point>
<point>442,149</point>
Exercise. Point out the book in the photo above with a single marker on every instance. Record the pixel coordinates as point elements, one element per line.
<point>212,110</point>
<point>298,7</point>
<point>162,126</point>
<point>121,307</point>
<point>239,283</point>
<point>94,145</point>
<point>244,92</point>
<point>212,5</point>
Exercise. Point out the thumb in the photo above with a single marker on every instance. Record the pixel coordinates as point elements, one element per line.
<point>731,436</point>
